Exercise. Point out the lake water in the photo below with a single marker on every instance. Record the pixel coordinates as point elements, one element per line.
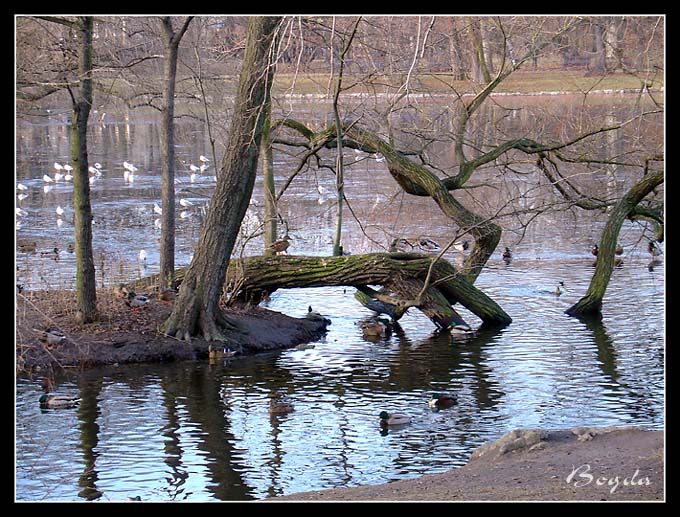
<point>195,431</point>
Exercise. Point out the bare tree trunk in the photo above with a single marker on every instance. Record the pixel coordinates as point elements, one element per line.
<point>171,41</point>
<point>82,102</point>
<point>196,310</point>
<point>591,303</point>
<point>270,205</point>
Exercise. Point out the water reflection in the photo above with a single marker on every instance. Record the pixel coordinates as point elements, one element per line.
<point>202,431</point>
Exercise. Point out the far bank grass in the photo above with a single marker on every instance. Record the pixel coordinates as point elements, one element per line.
<point>520,82</point>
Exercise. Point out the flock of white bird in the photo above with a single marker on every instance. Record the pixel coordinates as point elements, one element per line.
<point>63,173</point>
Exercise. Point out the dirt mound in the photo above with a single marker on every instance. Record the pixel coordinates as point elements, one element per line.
<point>125,335</point>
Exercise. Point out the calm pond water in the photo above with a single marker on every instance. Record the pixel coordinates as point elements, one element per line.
<point>200,432</point>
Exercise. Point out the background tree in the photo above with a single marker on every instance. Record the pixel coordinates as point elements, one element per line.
<point>171,41</point>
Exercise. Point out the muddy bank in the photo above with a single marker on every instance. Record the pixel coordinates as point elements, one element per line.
<point>579,464</point>
<point>124,335</point>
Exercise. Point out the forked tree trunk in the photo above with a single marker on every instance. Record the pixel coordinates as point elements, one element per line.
<point>591,303</point>
<point>196,310</point>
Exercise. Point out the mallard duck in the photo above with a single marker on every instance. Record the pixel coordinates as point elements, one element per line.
<point>373,328</point>
<point>428,245</point>
<point>167,295</point>
<point>654,249</point>
<point>441,401</point>
<point>220,353</point>
<point>507,255</point>
<point>619,249</point>
<point>280,246</point>
<point>120,291</point>
<point>136,301</point>
<point>58,401</point>
<point>560,289</point>
<point>461,246</point>
<point>51,337</point>
<point>393,419</point>
<point>27,247</point>
<point>280,407</point>
<point>305,346</point>
<point>400,245</point>
<point>460,329</point>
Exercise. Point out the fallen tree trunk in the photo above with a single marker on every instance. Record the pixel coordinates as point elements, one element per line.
<point>404,274</point>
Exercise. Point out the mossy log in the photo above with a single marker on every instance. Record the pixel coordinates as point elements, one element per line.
<point>403,274</point>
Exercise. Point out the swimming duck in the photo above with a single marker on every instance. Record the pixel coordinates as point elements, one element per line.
<point>305,346</point>
<point>280,407</point>
<point>27,247</point>
<point>393,419</point>
<point>560,289</point>
<point>280,246</point>
<point>58,401</point>
<point>373,328</point>
<point>460,329</point>
<point>619,249</point>
<point>441,401</point>
<point>654,249</point>
<point>594,250</point>
<point>507,255</point>
<point>428,245</point>
<point>217,353</point>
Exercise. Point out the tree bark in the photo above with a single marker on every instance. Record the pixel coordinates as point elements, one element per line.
<point>196,310</point>
<point>171,40</point>
<point>86,294</point>
<point>591,303</point>
<point>404,274</point>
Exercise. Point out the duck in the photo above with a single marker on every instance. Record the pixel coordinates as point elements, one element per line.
<point>654,249</point>
<point>280,246</point>
<point>51,337</point>
<point>441,401</point>
<point>595,250</point>
<point>428,245</point>
<point>216,353</point>
<point>305,346</point>
<point>619,249</point>
<point>560,288</point>
<point>27,247</point>
<point>393,419</point>
<point>167,295</point>
<point>280,407</point>
<point>460,329</point>
<point>507,255</point>
<point>373,328</point>
<point>461,246</point>
<point>121,291</point>
<point>136,301</point>
<point>400,245</point>
<point>58,401</point>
